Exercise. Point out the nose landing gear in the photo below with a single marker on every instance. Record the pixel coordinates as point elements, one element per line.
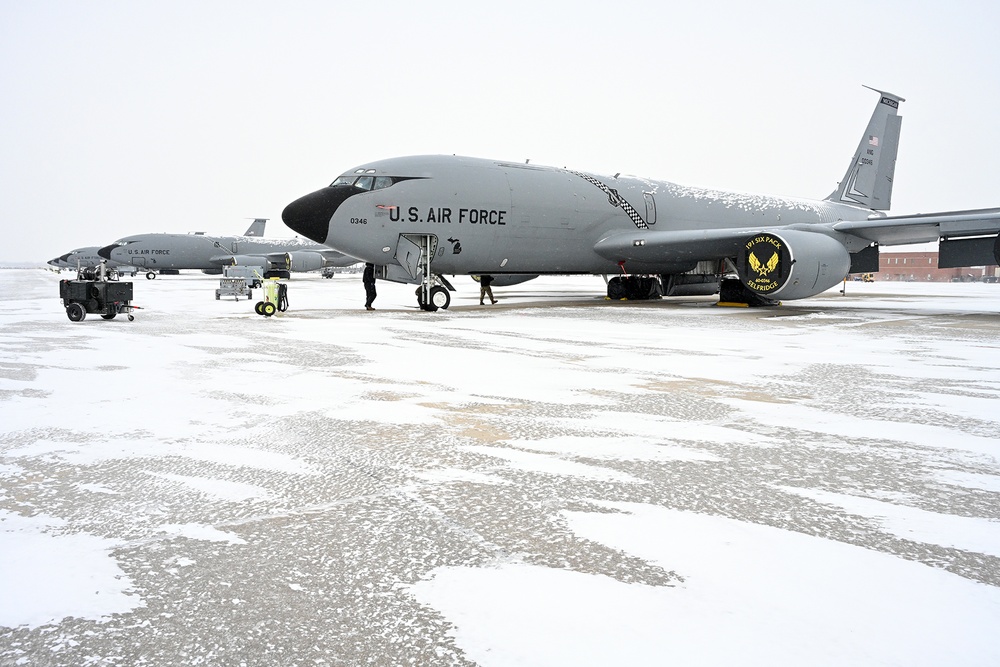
<point>414,253</point>
<point>438,297</point>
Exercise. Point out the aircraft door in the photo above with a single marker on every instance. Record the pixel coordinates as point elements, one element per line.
<point>411,248</point>
<point>650,208</point>
<point>139,261</point>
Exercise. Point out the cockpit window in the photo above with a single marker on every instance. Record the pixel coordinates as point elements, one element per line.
<point>364,182</point>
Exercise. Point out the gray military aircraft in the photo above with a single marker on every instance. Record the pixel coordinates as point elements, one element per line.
<point>171,252</point>
<point>88,258</point>
<point>420,217</point>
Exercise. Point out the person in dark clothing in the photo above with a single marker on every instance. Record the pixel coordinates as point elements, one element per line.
<point>368,278</point>
<point>484,289</point>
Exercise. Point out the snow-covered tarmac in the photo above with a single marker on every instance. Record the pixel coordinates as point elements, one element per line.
<point>555,480</point>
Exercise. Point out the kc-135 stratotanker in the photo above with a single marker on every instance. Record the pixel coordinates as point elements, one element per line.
<point>161,252</point>
<point>420,218</point>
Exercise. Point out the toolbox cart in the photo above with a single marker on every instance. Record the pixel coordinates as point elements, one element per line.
<point>238,282</point>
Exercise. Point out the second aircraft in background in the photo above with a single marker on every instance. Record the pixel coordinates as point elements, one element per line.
<point>276,257</point>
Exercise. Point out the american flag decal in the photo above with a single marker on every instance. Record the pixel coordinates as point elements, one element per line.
<point>873,140</point>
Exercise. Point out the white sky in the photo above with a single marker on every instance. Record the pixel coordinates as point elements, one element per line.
<point>124,117</point>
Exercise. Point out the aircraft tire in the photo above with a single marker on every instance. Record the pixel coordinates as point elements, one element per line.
<point>440,298</point>
<point>268,309</point>
<point>150,275</point>
<point>75,312</point>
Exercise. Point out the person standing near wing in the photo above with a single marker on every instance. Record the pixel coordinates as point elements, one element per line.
<point>484,289</point>
<point>368,278</point>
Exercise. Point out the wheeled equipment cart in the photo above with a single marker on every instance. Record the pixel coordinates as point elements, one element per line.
<point>91,292</point>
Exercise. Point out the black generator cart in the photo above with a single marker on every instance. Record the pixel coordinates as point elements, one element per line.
<point>92,292</point>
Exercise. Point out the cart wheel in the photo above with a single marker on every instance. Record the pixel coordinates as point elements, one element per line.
<point>131,317</point>
<point>259,308</point>
<point>110,316</point>
<point>75,312</point>
<point>268,309</point>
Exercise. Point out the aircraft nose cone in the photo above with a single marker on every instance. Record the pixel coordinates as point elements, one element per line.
<point>105,252</point>
<point>310,215</point>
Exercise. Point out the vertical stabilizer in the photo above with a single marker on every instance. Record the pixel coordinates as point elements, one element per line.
<point>868,180</point>
<point>256,228</point>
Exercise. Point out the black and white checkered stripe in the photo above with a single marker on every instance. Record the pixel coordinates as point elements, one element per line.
<point>614,199</point>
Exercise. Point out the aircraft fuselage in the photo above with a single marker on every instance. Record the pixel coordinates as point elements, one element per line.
<point>498,217</point>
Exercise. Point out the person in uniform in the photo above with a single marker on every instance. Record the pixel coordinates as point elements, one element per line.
<point>368,278</point>
<point>485,290</point>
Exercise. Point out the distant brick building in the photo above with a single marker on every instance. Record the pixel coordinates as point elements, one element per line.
<point>922,267</point>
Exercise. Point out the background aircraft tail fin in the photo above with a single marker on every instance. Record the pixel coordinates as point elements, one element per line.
<point>868,180</point>
<point>256,228</point>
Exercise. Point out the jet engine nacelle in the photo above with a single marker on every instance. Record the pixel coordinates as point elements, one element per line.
<point>301,260</point>
<point>792,264</point>
<point>246,260</point>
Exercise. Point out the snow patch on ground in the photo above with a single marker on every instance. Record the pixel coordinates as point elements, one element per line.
<point>747,594</point>
<point>976,534</point>
<point>52,575</point>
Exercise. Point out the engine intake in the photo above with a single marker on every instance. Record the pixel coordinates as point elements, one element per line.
<point>791,264</point>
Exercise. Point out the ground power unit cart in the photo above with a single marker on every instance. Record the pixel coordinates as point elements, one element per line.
<point>92,292</point>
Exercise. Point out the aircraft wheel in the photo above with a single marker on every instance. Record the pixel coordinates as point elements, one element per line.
<point>268,309</point>
<point>440,298</point>
<point>150,275</point>
<point>420,301</point>
<point>259,308</point>
<point>75,312</point>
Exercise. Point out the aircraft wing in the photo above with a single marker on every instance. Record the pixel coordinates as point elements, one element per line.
<point>925,227</point>
<point>701,244</point>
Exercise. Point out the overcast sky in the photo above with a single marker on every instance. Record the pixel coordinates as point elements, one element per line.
<point>127,117</point>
